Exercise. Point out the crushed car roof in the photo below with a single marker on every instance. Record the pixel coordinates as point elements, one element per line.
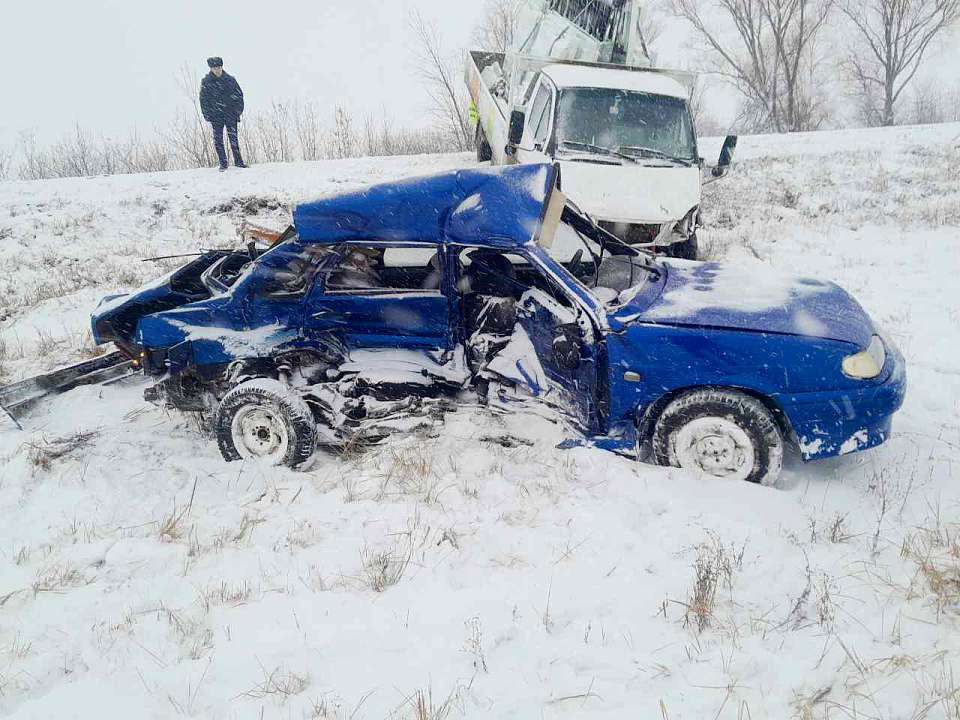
<point>495,207</point>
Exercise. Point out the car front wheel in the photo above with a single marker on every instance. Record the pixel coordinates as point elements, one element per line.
<point>263,420</point>
<point>721,434</point>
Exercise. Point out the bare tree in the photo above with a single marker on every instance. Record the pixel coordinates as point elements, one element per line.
<point>650,25</point>
<point>441,76</point>
<point>892,38</point>
<point>495,33</point>
<point>932,102</point>
<point>343,140</point>
<point>6,162</point>
<point>34,163</point>
<point>765,48</point>
<point>707,124</point>
<point>189,134</point>
<point>306,124</point>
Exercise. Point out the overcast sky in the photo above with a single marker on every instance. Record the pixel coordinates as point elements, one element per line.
<point>112,65</point>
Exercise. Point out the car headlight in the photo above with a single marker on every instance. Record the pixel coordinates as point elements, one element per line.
<point>867,364</point>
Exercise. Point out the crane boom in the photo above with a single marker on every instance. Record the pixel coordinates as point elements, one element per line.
<point>604,31</point>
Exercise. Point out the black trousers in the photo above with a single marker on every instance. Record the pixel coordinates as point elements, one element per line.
<point>234,142</point>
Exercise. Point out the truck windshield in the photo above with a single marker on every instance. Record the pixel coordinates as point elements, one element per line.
<point>620,122</point>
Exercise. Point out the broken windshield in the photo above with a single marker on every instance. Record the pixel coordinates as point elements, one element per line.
<point>599,261</point>
<point>620,122</point>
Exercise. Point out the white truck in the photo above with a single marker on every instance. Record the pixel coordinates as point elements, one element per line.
<point>623,134</point>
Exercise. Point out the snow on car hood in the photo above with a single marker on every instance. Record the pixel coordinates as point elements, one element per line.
<point>753,297</point>
<point>632,193</point>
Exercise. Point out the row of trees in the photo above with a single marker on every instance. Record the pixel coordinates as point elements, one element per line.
<point>284,132</point>
<point>771,52</point>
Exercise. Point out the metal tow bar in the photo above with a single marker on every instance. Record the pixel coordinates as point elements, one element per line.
<point>19,397</point>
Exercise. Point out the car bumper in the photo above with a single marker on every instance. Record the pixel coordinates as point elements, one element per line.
<point>827,424</point>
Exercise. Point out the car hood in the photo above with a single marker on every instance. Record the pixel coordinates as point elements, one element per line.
<point>632,193</point>
<point>758,299</point>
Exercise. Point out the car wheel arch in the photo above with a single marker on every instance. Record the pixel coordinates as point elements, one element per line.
<point>646,416</point>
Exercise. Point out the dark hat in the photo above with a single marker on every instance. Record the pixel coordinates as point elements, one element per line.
<point>215,62</point>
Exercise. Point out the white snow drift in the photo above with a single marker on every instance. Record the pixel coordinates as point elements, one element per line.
<point>471,569</point>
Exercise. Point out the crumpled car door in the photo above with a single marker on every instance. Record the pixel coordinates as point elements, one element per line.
<point>553,354</point>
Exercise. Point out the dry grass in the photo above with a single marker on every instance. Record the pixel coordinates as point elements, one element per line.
<point>57,578</point>
<point>714,567</point>
<point>225,593</point>
<point>474,644</point>
<point>385,568</point>
<point>279,683</point>
<point>18,649</point>
<point>44,453</point>
<point>935,550</point>
<point>409,471</point>
<point>422,706</point>
<point>173,526</point>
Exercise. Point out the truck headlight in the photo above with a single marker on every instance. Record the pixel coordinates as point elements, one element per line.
<point>867,364</point>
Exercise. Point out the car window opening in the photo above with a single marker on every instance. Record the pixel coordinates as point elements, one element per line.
<point>371,268</point>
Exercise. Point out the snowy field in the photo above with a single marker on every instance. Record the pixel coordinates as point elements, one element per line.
<point>476,570</point>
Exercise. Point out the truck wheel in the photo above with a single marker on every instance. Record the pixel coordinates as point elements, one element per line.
<point>484,151</point>
<point>723,434</point>
<point>689,249</point>
<point>263,420</point>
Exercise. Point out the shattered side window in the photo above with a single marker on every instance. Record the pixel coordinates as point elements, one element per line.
<point>291,272</point>
<point>539,113</point>
<point>503,274</point>
<point>364,269</point>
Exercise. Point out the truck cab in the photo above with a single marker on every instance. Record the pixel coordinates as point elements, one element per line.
<point>627,146</point>
<point>624,137</point>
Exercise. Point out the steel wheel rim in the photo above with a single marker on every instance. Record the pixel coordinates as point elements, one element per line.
<point>260,433</point>
<point>714,446</point>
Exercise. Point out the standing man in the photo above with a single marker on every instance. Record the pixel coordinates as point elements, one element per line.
<point>221,102</point>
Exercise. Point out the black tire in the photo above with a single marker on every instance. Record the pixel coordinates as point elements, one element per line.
<point>484,151</point>
<point>708,415</point>
<point>282,414</point>
<point>689,249</point>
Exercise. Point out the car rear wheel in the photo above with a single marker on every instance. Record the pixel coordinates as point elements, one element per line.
<point>263,420</point>
<point>721,434</point>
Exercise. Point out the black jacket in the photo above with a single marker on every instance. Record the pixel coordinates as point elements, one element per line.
<point>221,99</point>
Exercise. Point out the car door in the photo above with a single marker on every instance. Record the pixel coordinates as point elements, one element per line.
<point>566,344</point>
<point>553,351</point>
<point>378,295</point>
<point>536,133</point>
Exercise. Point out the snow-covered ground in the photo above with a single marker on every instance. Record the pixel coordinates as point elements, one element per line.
<point>476,570</point>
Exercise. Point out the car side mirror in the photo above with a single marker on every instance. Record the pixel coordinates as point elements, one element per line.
<point>726,156</point>
<point>518,121</point>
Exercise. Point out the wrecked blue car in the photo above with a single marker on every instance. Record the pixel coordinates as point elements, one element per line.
<point>381,306</point>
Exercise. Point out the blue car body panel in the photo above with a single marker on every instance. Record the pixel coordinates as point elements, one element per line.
<point>725,296</point>
<point>489,208</point>
<point>690,325</point>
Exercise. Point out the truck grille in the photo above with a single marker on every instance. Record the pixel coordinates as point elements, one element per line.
<point>631,233</point>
